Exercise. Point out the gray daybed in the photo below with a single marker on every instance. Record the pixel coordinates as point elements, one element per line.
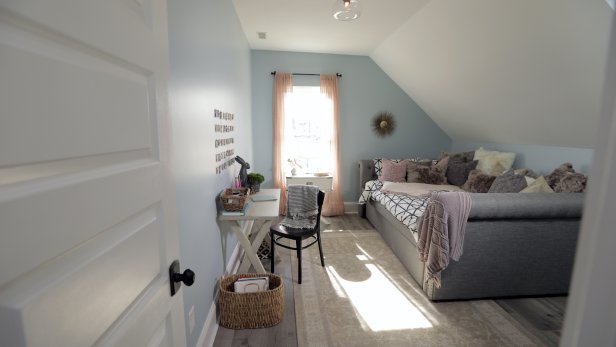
<point>516,244</point>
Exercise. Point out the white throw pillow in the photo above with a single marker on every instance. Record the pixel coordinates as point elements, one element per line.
<point>493,162</point>
<point>540,185</point>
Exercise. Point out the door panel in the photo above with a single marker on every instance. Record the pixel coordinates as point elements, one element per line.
<point>87,216</point>
<point>48,222</point>
<point>93,283</point>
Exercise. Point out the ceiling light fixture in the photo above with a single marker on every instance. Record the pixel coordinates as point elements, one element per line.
<point>346,10</point>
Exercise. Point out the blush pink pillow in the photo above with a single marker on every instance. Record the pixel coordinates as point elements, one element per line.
<point>394,172</point>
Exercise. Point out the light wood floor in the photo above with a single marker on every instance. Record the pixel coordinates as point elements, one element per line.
<point>542,316</point>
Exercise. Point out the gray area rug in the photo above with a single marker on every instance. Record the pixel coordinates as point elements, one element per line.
<point>365,297</point>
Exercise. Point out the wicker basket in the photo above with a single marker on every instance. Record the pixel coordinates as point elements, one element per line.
<point>251,310</point>
<point>233,199</point>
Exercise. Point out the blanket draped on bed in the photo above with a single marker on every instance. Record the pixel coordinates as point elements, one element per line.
<point>302,207</point>
<point>441,231</point>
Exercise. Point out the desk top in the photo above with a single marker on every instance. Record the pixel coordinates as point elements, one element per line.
<point>261,209</point>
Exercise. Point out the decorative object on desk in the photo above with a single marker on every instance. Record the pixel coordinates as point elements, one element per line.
<point>250,310</point>
<point>243,170</point>
<point>383,124</point>
<point>234,199</point>
<point>294,166</point>
<point>321,174</point>
<point>254,181</point>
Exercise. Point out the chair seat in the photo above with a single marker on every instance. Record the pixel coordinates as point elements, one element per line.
<point>292,233</point>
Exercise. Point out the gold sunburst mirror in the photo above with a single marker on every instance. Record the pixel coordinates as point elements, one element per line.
<point>383,124</point>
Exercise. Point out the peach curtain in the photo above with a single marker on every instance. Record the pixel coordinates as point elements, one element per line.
<point>283,84</point>
<point>333,205</point>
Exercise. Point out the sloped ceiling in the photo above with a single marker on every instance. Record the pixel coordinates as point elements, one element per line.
<point>517,72</point>
<point>514,72</point>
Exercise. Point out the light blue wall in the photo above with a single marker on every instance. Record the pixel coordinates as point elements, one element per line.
<point>364,90</point>
<point>541,159</point>
<point>210,68</point>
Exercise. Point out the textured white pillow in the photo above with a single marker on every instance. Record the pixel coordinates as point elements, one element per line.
<point>493,162</point>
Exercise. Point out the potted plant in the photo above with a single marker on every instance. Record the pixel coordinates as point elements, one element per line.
<point>254,181</point>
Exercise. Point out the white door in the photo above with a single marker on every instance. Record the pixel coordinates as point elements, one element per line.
<point>87,221</point>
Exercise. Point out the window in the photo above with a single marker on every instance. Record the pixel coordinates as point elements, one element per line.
<point>308,130</point>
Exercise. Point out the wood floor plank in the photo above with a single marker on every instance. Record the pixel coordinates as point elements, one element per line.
<point>541,316</point>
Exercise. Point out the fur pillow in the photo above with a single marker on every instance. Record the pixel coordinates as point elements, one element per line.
<point>558,174</point>
<point>540,185</point>
<point>564,179</point>
<point>394,172</point>
<point>464,157</point>
<point>509,182</point>
<point>478,182</point>
<point>457,171</point>
<point>435,174</point>
<point>571,183</point>
<point>493,162</point>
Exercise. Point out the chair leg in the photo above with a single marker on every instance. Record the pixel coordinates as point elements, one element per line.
<point>320,248</point>
<point>272,252</point>
<point>299,261</point>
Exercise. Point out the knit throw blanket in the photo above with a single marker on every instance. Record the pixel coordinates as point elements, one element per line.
<point>302,207</point>
<point>441,231</point>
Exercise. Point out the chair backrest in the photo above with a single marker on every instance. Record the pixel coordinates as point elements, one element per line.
<point>320,200</point>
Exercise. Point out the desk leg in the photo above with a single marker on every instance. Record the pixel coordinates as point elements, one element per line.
<point>246,246</point>
<point>256,243</point>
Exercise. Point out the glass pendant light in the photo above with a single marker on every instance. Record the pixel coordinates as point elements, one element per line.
<point>346,10</point>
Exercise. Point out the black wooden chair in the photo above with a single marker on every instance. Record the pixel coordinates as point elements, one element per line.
<point>278,232</point>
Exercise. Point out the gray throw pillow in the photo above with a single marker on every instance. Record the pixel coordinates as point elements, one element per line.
<point>457,171</point>
<point>508,182</point>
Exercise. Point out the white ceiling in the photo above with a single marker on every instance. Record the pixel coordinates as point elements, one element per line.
<point>519,72</point>
<point>308,25</point>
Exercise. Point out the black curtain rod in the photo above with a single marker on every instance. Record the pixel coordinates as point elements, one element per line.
<point>308,74</point>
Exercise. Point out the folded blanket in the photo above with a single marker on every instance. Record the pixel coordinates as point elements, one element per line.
<point>441,231</point>
<point>302,207</point>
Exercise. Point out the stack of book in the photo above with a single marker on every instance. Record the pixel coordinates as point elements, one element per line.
<point>251,285</point>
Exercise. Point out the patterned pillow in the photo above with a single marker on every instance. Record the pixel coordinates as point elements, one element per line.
<point>393,172</point>
<point>378,165</point>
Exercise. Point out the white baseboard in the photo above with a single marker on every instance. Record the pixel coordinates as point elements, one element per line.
<point>208,333</point>
<point>210,328</point>
<point>350,207</point>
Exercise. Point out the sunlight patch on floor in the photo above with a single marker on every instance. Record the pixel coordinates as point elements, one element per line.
<point>379,303</point>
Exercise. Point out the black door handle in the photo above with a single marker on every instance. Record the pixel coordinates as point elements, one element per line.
<point>187,277</point>
<point>176,278</point>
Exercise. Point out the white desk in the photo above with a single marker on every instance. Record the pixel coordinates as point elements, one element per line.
<point>323,182</point>
<point>263,212</point>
